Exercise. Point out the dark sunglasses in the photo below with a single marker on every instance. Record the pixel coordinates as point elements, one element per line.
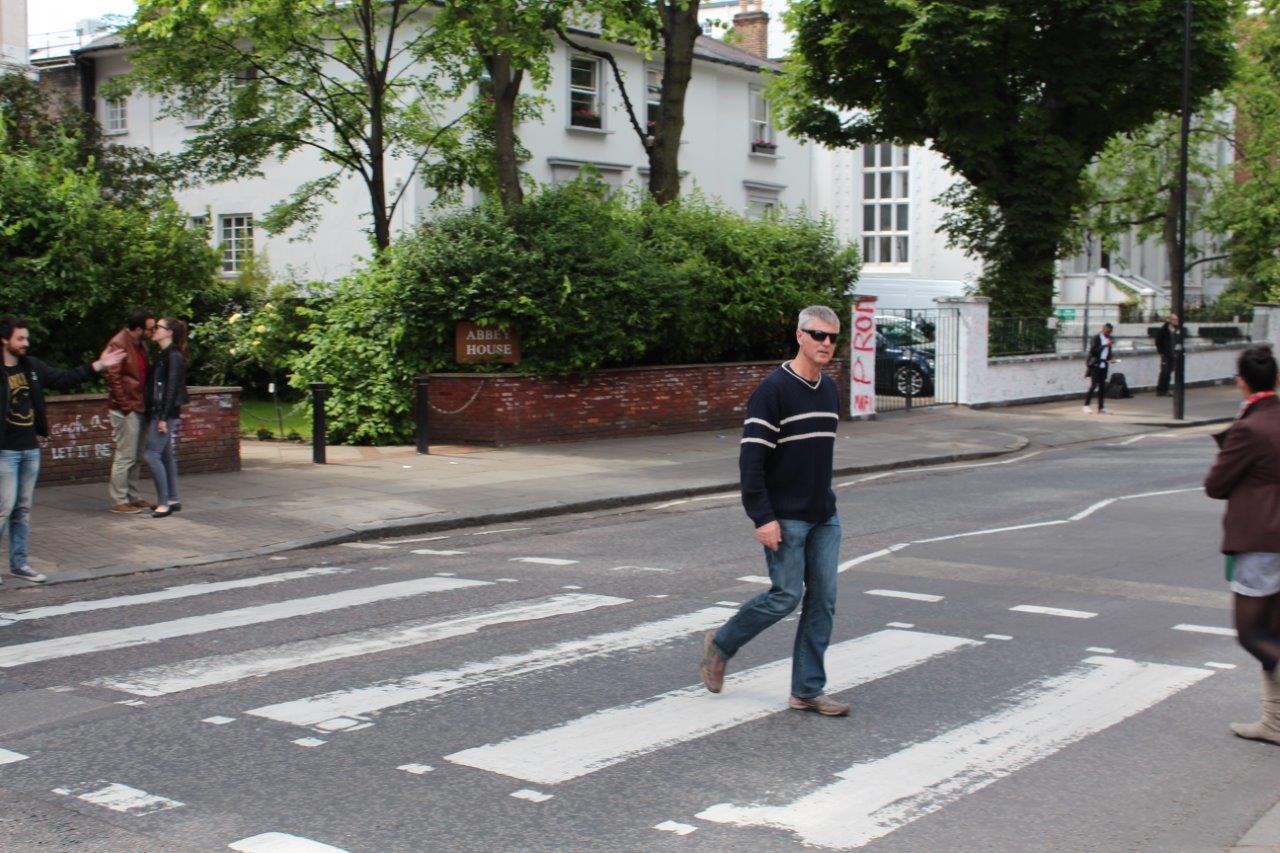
<point>821,337</point>
<point>157,327</point>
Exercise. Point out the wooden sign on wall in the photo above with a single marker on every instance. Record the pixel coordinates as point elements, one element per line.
<point>474,344</point>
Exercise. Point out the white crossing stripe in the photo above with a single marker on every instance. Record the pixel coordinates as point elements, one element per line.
<point>1206,629</point>
<point>430,552</point>
<point>996,637</point>
<point>672,826</point>
<point>874,798</point>
<point>416,769</point>
<point>184,591</point>
<point>221,669</point>
<point>543,561</point>
<point>8,756</point>
<point>609,737</point>
<point>368,546</point>
<point>1053,611</point>
<point>388,694</point>
<point>120,638</point>
<point>281,842</point>
<point>119,798</point>
<point>531,795</point>
<point>911,596</point>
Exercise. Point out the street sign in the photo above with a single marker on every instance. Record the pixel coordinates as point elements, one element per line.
<point>1066,313</point>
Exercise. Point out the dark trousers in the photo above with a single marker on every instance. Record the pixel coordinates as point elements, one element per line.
<point>1166,370</point>
<point>1097,379</point>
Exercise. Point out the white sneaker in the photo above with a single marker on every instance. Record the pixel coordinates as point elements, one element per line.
<point>1103,412</point>
<point>27,574</point>
<point>1088,411</point>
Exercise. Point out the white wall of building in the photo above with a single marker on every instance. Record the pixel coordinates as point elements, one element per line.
<point>13,35</point>
<point>716,158</point>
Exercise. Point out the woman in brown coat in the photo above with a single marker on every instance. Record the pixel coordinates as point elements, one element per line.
<point>1247,475</point>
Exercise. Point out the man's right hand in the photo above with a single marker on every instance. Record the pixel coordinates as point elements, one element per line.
<point>769,535</point>
<point>110,357</point>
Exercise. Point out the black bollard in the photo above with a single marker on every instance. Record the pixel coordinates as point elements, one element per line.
<point>420,414</point>
<point>319,425</point>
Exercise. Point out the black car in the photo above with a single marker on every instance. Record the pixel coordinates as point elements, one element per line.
<point>904,358</point>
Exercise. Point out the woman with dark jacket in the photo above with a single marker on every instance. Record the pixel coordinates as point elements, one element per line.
<point>166,392</point>
<point>1247,475</point>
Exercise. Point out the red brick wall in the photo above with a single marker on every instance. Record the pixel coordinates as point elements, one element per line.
<point>79,446</point>
<point>472,408</point>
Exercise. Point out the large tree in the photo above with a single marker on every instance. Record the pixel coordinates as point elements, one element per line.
<point>1018,95</point>
<point>1133,186</point>
<point>343,79</point>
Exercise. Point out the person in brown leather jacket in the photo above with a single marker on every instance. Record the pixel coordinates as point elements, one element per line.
<point>1247,475</point>
<point>126,383</point>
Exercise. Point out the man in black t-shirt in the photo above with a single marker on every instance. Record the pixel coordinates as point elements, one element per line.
<point>22,422</point>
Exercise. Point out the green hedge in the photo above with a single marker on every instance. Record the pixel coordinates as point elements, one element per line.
<point>588,279</point>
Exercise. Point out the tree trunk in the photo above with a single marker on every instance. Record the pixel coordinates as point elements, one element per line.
<point>506,88</point>
<point>680,29</point>
<point>375,83</point>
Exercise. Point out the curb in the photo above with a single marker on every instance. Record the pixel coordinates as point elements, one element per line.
<point>429,524</point>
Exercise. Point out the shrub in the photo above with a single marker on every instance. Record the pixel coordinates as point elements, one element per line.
<point>588,279</point>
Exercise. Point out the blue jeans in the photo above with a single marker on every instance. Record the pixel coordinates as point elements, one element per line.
<point>804,568</point>
<point>18,472</point>
<point>160,456</point>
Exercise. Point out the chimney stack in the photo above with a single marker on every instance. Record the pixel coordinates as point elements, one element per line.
<point>751,23</point>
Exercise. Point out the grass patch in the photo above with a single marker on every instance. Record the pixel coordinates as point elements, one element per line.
<point>256,415</point>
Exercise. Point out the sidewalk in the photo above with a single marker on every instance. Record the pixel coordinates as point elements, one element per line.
<point>281,500</point>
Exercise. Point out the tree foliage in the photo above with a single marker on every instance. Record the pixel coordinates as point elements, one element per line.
<point>587,279</point>
<point>75,260</point>
<point>1247,208</point>
<point>1018,95</point>
<point>342,79</point>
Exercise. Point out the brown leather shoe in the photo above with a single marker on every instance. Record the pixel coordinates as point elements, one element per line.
<point>823,704</point>
<point>141,504</point>
<point>124,509</point>
<point>713,664</point>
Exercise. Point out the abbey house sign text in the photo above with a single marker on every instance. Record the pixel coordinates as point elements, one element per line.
<point>474,344</point>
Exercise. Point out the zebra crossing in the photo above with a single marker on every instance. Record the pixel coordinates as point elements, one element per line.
<point>551,637</point>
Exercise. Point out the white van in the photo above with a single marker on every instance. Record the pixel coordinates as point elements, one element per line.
<point>918,294</point>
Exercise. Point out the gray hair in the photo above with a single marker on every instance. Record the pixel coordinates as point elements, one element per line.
<point>821,313</point>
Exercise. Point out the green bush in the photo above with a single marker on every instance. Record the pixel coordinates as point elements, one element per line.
<point>588,279</point>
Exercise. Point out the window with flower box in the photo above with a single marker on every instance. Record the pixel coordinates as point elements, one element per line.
<point>886,204</point>
<point>764,139</point>
<point>653,96</point>
<point>586,100</point>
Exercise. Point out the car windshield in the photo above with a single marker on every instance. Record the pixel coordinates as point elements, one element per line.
<point>902,334</point>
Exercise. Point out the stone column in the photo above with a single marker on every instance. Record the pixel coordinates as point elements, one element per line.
<point>1266,324</point>
<point>960,362</point>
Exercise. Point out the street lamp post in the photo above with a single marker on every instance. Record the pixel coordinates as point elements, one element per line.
<point>1180,279</point>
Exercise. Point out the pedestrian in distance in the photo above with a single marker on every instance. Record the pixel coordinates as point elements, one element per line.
<point>22,422</point>
<point>785,461</point>
<point>1096,366</point>
<point>166,394</point>
<point>1166,345</point>
<point>1246,475</point>
<point>127,408</point>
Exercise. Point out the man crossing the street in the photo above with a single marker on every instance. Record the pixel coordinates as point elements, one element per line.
<point>786,460</point>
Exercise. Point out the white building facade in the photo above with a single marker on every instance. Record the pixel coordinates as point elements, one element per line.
<point>730,151</point>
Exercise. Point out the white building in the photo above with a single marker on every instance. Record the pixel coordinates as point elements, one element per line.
<point>730,152</point>
<point>13,36</point>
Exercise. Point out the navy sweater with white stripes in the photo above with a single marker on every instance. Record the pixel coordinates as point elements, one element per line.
<point>788,447</point>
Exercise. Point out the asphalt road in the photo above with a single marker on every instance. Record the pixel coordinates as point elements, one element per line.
<point>1062,685</point>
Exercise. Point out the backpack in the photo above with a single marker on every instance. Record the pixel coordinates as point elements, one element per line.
<point>1117,388</point>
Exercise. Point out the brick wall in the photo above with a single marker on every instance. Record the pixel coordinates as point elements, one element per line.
<point>500,409</point>
<point>79,447</point>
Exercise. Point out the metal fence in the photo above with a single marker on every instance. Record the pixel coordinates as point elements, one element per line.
<point>916,357</point>
<point>1020,336</point>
